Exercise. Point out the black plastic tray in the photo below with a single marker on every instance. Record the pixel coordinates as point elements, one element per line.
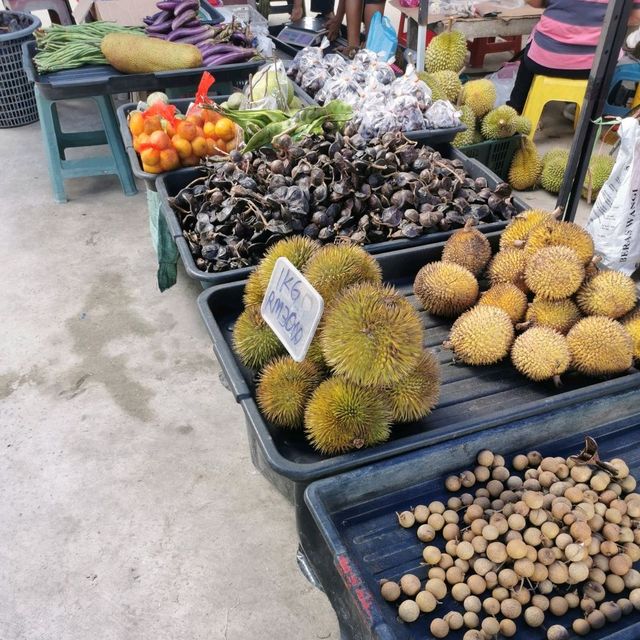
<point>351,538</point>
<point>97,80</point>
<point>169,184</point>
<point>473,399</point>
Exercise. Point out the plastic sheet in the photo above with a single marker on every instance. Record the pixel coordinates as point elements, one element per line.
<point>442,114</point>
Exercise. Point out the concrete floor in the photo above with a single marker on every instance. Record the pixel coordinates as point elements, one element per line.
<point>130,509</point>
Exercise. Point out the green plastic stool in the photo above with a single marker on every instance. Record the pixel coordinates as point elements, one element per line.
<point>56,141</point>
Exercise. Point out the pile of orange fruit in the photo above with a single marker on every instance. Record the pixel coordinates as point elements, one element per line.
<point>164,145</point>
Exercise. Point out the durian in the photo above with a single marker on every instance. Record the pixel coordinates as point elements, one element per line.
<point>337,267</point>
<point>632,325</point>
<point>284,389</point>
<point>477,137</point>
<point>554,273</point>
<point>253,340</point>
<point>600,346</point>
<point>553,169</point>
<point>600,168</point>
<point>499,123</point>
<point>446,52</point>
<point>469,248</point>
<point>449,82</point>
<point>297,249</point>
<point>508,297</point>
<point>371,335</point>
<point>554,233</point>
<point>445,288</point>
<point>253,291</point>
<point>610,293</point>
<point>468,118</point>
<point>541,353</point>
<point>521,226</point>
<point>508,265</point>
<point>480,95</point>
<point>341,417</point>
<point>437,92</point>
<point>481,336</point>
<point>522,125</point>
<point>525,167</point>
<point>416,395</point>
<point>559,315</point>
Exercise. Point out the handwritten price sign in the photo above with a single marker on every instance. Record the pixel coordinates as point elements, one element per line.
<point>292,308</point>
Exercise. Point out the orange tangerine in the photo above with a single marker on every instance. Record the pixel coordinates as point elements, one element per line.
<point>169,128</point>
<point>140,139</point>
<point>195,118</point>
<point>186,130</point>
<point>211,147</point>
<point>231,145</point>
<point>169,159</point>
<point>152,169</point>
<point>199,146</point>
<point>182,146</point>
<point>160,140</point>
<point>191,161</point>
<point>152,123</point>
<point>225,129</point>
<point>136,123</point>
<point>150,157</point>
<point>209,129</point>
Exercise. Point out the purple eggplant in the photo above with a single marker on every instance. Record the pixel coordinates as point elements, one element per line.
<point>162,16</point>
<point>167,5</point>
<point>186,5</point>
<point>189,32</point>
<point>219,59</point>
<point>239,39</point>
<point>196,40</point>
<point>183,18</point>
<point>159,29</point>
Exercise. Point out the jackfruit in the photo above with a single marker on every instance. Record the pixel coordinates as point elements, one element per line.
<point>341,417</point>
<point>521,226</point>
<point>284,389</point>
<point>445,288</point>
<point>253,340</point>
<point>508,265</point>
<point>554,233</point>
<point>525,167</point>
<point>610,293</point>
<point>449,82</point>
<point>337,267</point>
<point>469,248</point>
<point>554,273</point>
<point>541,353</point>
<point>600,168</point>
<point>559,315</point>
<point>600,346</point>
<point>480,95</point>
<point>632,325</point>
<point>468,118</point>
<point>416,395</point>
<point>508,297</point>
<point>522,125</point>
<point>499,123</point>
<point>481,336</point>
<point>446,52</point>
<point>297,249</point>
<point>553,170</point>
<point>371,335</point>
<point>133,53</point>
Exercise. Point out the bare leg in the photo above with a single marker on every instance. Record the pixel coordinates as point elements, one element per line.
<point>369,10</point>
<point>354,20</point>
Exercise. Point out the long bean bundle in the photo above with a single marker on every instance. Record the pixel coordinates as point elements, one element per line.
<point>69,47</point>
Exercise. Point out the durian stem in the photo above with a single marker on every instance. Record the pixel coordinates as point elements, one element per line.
<point>557,381</point>
<point>596,260</point>
<point>521,326</point>
<point>469,223</point>
<point>556,213</point>
<point>518,244</point>
<point>447,345</point>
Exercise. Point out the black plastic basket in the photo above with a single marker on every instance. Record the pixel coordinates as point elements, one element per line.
<point>350,537</point>
<point>472,399</point>
<point>17,98</point>
<point>496,155</point>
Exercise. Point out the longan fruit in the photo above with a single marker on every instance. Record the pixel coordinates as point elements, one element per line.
<point>596,523</point>
<point>611,610</point>
<point>628,484</point>
<point>406,519</point>
<point>454,575</point>
<point>478,525</point>
<point>490,626</point>
<point>500,522</point>
<point>550,530</point>
<point>450,531</point>
<point>501,474</point>
<point>578,572</point>
<point>580,531</point>
<point>454,620</point>
<point>508,628</point>
<point>533,616</point>
<point>573,600</point>
<point>524,568</point>
<point>521,508</point>
<point>479,544</point>
<point>535,458</point>
<point>410,584</point>
<point>471,620</point>
<point>426,601</point>
<point>614,583</point>
<point>492,607</point>
<point>621,467</point>
<point>453,483</point>
<point>537,517</point>
<point>611,531</point>
<point>546,557</point>
<point>485,458</point>
<point>465,550</point>
<point>580,626</point>
<point>454,503</point>
<point>483,502</point>
<point>481,473</point>
<point>562,471</point>
<point>460,591</point>
<point>581,473</point>
<point>466,499</point>
<point>473,512</point>
<point>521,594</point>
<point>632,579</point>
<point>468,535</point>
<point>540,601</point>
<point>587,509</point>
<point>520,462</point>
<point>516,549</point>
<point>500,593</point>
<point>491,579</point>
<point>626,534</point>
<point>625,606</point>
<point>531,480</point>
<point>482,566</point>
<point>608,548</point>
<point>437,587</point>
<point>517,522</point>
<point>473,604</point>
<point>462,564</point>
<point>390,590</point>
<point>426,533</point>
<point>495,488</point>
<point>620,564</point>
<point>558,606</point>
<point>557,489</point>
<point>601,562</point>
<point>594,591</point>
<point>546,479</point>
<point>508,578</point>
<point>533,499</point>
<point>597,575</point>
<point>619,505</point>
<point>511,608</point>
<point>560,507</point>
<point>498,460</point>
<point>431,555</point>
<point>439,628</point>
<point>633,508</point>
<point>613,515</point>
<point>596,619</point>
<point>557,632</point>
<point>436,521</point>
<point>634,597</point>
<point>446,561</point>
<point>421,513</point>
<point>558,573</point>
<point>532,536</point>
<point>476,584</point>
<point>474,634</point>
<point>599,481</point>
<point>490,533</point>
<point>587,605</point>
<point>540,572</point>
<point>451,547</point>
<point>467,479</point>
<point>497,552</point>
<point>408,611</point>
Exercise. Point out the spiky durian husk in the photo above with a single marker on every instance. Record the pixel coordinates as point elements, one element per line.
<point>541,353</point>
<point>469,248</point>
<point>468,118</point>
<point>481,336</point>
<point>553,169</point>
<point>499,123</point>
<point>371,335</point>
<point>600,168</point>
<point>437,92</point>
<point>554,273</point>
<point>253,340</point>
<point>508,265</point>
<point>632,325</point>
<point>450,83</point>
<point>508,297</point>
<point>445,288</point>
<point>337,267</point>
<point>554,233</point>
<point>600,346</point>
<point>284,389</point>
<point>253,291</point>
<point>480,95</point>
<point>525,167</point>
<point>342,416</point>
<point>297,249</point>
<point>559,315</point>
<point>521,226</point>
<point>609,293</point>
<point>416,395</point>
<point>522,125</point>
<point>446,52</point>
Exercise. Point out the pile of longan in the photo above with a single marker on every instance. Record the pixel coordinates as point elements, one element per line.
<point>562,536</point>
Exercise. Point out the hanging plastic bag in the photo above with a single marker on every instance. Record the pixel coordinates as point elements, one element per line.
<point>382,38</point>
<point>269,88</point>
<point>614,223</point>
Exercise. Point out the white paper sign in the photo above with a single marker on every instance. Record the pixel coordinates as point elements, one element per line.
<point>292,308</point>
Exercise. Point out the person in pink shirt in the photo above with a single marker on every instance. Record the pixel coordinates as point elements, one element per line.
<point>563,43</point>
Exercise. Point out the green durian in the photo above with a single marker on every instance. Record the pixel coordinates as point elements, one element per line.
<point>446,52</point>
<point>499,123</point>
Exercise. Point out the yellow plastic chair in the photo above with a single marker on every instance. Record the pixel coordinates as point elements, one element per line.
<point>546,89</point>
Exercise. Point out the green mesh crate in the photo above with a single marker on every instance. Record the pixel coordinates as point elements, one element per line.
<point>496,155</point>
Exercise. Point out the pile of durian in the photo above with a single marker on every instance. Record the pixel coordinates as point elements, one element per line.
<point>544,282</point>
<point>366,367</point>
